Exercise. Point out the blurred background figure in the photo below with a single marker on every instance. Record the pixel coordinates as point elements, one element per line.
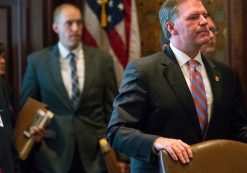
<point>78,85</point>
<point>8,155</point>
<point>3,75</point>
<point>209,49</point>
<point>2,60</point>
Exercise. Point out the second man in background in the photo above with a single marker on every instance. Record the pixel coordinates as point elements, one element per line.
<point>78,85</point>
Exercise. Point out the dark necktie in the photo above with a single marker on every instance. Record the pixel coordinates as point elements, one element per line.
<point>74,79</point>
<point>198,93</point>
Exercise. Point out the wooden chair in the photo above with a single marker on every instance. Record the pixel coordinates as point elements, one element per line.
<point>215,156</point>
<point>109,156</point>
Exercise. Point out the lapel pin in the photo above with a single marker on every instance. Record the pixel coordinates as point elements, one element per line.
<point>217,78</point>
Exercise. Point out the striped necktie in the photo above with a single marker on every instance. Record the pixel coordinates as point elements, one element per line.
<point>198,93</point>
<point>74,81</point>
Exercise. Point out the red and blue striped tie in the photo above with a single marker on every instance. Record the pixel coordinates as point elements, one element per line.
<point>198,93</point>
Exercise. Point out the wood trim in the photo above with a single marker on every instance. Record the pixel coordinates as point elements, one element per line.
<point>236,45</point>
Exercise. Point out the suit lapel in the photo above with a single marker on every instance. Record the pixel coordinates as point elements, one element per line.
<point>175,78</point>
<point>89,71</point>
<point>214,77</point>
<point>56,75</point>
<point>215,80</point>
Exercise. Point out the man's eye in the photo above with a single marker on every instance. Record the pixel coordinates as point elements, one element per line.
<point>79,22</point>
<point>194,17</point>
<point>69,23</point>
<point>197,16</point>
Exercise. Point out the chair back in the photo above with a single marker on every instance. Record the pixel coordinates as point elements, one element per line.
<point>214,156</point>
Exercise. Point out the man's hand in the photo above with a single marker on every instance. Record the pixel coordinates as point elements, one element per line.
<point>177,149</point>
<point>37,133</point>
<point>123,167</point>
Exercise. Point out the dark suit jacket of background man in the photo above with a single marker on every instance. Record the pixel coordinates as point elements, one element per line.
<point>43,81</point>
<point>8,154</point>
<point>162,105</point>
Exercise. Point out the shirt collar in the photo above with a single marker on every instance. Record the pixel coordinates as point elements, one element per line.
<point>182,58</point>
<point>64,52</point>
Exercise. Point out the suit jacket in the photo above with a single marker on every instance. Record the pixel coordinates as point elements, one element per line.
<point>8,154</point>
<point>86,124</point>
<point>154,100</point>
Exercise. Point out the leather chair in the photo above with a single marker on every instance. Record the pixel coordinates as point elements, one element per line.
<point>215,156</point>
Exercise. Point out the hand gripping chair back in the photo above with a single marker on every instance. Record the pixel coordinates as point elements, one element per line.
<point>215,156</point>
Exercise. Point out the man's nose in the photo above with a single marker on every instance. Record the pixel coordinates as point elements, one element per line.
<point>203,20</point>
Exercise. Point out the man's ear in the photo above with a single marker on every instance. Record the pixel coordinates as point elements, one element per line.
<point>55,27</point>
<point>171,28</point>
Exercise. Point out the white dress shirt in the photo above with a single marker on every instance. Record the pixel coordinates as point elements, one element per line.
<point>66,69</point>
<point>183,59</point>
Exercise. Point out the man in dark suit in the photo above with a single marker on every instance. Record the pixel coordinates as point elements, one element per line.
<point>8,154</point>
<point>166,103</point>
<point>80,96</point>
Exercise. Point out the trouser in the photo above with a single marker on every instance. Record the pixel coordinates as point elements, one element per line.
<point>76,166</point>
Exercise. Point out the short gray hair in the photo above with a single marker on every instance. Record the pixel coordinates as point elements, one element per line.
<point>168,12</point>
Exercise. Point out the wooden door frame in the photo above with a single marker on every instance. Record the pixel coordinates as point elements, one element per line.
<point>237,36</point>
